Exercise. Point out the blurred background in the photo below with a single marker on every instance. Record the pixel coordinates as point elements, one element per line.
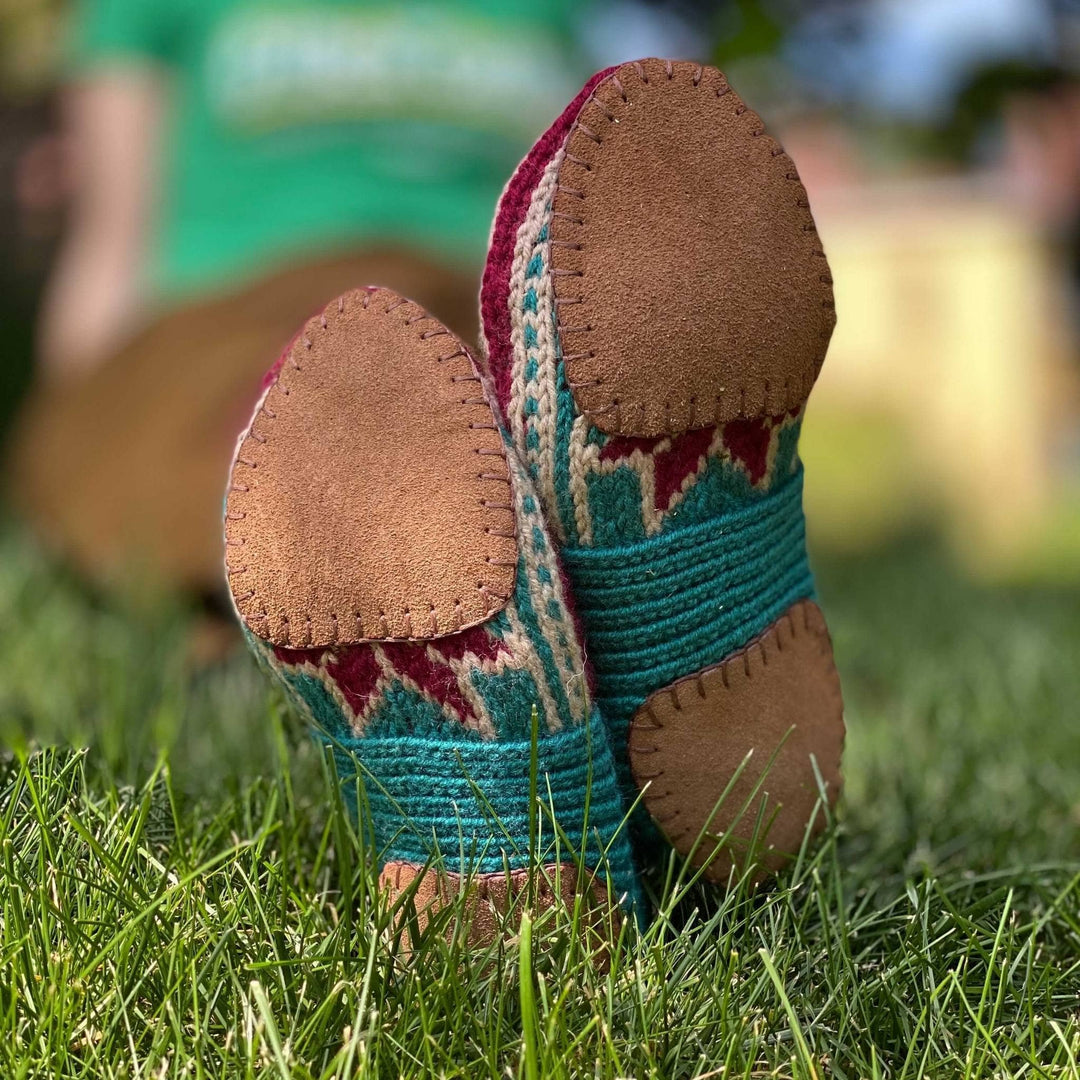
<point>181,184</point>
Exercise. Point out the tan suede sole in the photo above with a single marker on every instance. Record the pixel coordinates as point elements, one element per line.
<point>494,902</point>
<point>690,281</point>
<point>370,499</point>
<point>739,754</point>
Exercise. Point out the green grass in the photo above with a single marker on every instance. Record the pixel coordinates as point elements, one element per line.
<point>185,897</point>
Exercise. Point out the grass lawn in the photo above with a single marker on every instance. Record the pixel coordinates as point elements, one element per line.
<point>186,898</point>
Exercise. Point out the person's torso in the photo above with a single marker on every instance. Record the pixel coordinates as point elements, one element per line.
<point>299,126</point>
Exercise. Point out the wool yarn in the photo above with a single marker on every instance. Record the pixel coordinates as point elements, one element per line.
<point>433,739</point>
<point>681,549</point>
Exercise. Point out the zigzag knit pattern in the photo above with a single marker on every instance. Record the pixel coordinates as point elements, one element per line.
<point>679,550</point>
<point>440,731</point>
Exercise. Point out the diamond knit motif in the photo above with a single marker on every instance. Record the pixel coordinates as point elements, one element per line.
<point>596,487</point>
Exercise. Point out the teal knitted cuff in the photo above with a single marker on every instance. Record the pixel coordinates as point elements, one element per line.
<point>661,608</point>
<point>465,800</point>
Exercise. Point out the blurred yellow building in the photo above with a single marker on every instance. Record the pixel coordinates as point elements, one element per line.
<point>951,385</point>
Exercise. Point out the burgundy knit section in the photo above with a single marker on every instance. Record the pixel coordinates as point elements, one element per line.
<point>748,443</point>
<point>412,660</point>
<point>681,460</point>
<point>672,463</point>
<point>513,206</point>
<point>297,657</point>
<point>477,640</point>
<point>621,446</point>
<point>356,671</point>
<point>354,668</point>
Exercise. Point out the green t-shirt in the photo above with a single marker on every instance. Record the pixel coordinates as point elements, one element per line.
<point>302,126</point>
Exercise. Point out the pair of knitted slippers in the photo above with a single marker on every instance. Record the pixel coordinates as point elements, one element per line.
<point>521,596</point>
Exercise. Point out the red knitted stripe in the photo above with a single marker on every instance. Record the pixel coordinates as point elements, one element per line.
<point>748,443</point>
<point>411,659</point>
<point>513,206</point>
<point>477,640</point>
<point>672,463</point>
<point>356,670</point>
<point>680,460</point>
<point>621,446</point>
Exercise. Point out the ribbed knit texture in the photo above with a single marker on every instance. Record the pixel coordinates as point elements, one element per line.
<point>465,800</point>
<point>440,731</point>
<point>661,608</point>
<point>679,550</point>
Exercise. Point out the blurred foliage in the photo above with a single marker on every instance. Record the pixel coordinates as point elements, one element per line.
<point>979,104</point>
<point>30,32</point>
<point>748,28</point>
<point>30,42</point>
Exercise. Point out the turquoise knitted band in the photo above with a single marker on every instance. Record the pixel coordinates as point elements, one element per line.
<point>466,800</point>
<point>659,609</point>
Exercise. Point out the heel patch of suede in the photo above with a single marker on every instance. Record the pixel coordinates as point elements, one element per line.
<point>491,897</point>
<point>777,700</point>
<point>370,498</point>
<point>691,285</point>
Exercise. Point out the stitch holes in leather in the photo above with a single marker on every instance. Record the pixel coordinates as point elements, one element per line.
<point>370,498</point>
<point>710,749</point>
<point>684,241</point>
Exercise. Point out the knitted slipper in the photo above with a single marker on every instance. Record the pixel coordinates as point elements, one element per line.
<point>388,560</point>
<point>656,308</point>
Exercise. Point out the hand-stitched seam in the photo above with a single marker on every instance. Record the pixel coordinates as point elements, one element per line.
<point>639,748</point>
<point>485,589</point>
<point>582,157</point>
<point>762,642</point>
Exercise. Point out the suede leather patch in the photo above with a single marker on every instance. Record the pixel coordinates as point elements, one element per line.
<point>491,897</point>
<point>690,282</point>
<point>370,497</point>
<point>778,701</point>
